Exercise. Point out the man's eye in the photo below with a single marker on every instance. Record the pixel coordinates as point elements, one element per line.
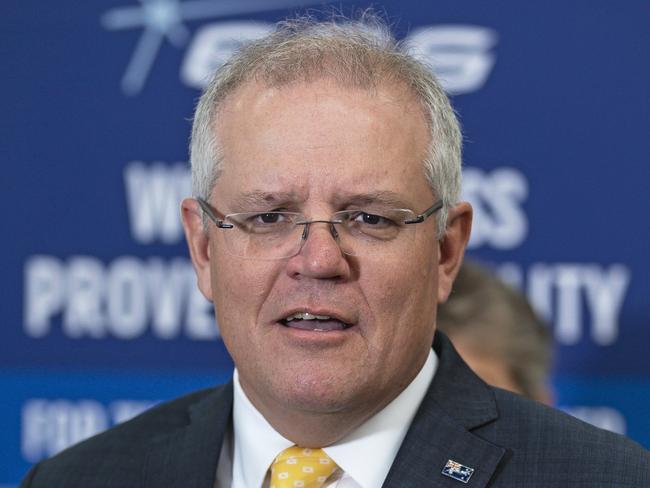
<point>269,218</point>
<point>370,219</point>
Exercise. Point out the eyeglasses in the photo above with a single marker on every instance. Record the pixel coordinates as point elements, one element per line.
<point>280,235</point>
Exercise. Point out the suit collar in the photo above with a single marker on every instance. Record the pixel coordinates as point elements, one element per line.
<point>457,402</point>
<point>457,389</point>
<point>187,456</point>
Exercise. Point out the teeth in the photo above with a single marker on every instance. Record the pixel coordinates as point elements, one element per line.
<point>307,316</point>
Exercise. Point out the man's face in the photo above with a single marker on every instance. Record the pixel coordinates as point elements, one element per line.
<point>317,148</point>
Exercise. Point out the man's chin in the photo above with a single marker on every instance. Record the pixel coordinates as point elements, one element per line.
<point>326,398</point>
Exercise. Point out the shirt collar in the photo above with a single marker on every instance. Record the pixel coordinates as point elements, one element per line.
<point>256,443</point>
<point>381,436</point>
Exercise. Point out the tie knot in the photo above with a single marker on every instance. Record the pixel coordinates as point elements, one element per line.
<point>299,467</point>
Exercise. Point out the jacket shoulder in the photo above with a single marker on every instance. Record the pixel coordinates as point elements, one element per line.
<point>125,445</point>
<point>562,449</point>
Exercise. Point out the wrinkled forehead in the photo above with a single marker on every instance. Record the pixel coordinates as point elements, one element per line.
<point>306,136</point>
<point>239,105</point>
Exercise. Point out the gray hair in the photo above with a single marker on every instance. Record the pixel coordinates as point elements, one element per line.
<point>358,53</point>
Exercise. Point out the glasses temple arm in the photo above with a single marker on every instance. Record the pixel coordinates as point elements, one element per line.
<point>426,214</point>
<point>205,206</point>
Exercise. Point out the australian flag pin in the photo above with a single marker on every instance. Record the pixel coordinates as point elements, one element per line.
<point>457,471</point>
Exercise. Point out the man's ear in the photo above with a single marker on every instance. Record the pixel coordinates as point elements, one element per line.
<point>198,243</point>
<point>452,247</point>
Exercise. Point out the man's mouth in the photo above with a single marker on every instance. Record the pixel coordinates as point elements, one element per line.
<point>314,322</point>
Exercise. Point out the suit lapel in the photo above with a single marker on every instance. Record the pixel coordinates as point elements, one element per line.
<point>457,402</point>
<point>188,456</point>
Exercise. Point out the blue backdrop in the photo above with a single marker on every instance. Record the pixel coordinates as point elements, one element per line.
<point>100,313</point>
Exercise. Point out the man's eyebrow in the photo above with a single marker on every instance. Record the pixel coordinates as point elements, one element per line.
<point>261,199</point>
<point>387,198</point>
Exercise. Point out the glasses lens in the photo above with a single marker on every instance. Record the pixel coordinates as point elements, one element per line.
<point>278,235</point>
<point>374,230</point>
<point>269,235</point>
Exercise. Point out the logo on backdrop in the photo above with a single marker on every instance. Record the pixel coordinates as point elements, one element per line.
<point>165,20</point>
<point>459,54</point>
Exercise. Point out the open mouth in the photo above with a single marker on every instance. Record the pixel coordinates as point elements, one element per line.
<point>313,322</point>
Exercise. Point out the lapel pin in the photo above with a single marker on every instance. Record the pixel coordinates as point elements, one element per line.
<point>457,471</point>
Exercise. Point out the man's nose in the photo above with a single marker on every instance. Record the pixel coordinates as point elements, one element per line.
<point>320,255</point>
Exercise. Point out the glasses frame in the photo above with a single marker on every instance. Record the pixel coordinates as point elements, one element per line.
<point>221,224</point>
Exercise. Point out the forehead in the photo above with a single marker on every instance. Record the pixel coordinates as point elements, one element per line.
<point>321,139</point>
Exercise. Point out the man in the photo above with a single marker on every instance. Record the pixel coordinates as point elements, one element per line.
<point>497,333</point>
<point>326,228</point>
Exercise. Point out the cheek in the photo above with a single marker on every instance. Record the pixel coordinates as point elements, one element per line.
<point>400,296</point>
<point>403,282</point>
<point>240,287</point>
<point>405,295</point>
<point>240,290</point>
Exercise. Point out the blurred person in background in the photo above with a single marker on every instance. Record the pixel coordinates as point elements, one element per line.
<point>497,333</point>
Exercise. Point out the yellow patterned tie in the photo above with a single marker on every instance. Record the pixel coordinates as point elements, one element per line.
<point>298,467</point>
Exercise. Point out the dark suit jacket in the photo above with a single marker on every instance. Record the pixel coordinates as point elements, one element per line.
<point>508,441</point>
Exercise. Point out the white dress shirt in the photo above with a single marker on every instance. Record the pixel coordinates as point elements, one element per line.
<point>364,456</point>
